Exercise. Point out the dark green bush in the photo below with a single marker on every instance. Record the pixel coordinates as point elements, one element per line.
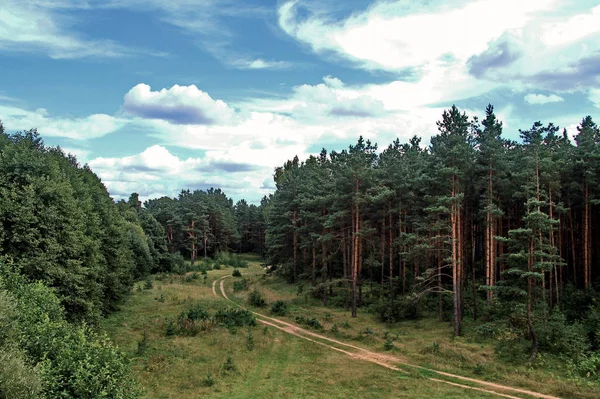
<point>236,273</point>
<point>256,299</point>
<point>234,317</point>
<point>279,308</point>
<point>310,322</point>
<point>249,341</point>
<point>558,337</point>
<point>240,285</point>
<point>403,308</point>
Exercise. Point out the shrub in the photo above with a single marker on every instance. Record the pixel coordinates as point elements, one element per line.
<point>229,366</point>
<point>279,308</point>
<point>249,341</point>
<point>586,367</point>
<point>388,345</point>
<point>208,381</point>
<point>234,317</point>
<point>236,273</point>
<point>256,299</point>
<point>148,283</point>
<point>240,285</point>
<point>18,380</point>
<point>312,322</point>
<point>195,313</point>
<point>404,308</point>
<point>171,329</point>
<point>144,344</point>
<point>81,364</point>
<point>558,337</point>
<point>192,321</point>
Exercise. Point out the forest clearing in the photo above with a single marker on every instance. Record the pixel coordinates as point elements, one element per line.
<point>337,357</point>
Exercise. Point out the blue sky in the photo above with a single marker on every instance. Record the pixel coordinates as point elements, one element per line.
<point>158,95</point>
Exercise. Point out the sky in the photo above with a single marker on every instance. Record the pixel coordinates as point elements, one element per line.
<point>158,96</point>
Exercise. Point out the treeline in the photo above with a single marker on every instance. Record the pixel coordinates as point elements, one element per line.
<point>68,256</point>
<point>203,223</point>
<point>475,223</point>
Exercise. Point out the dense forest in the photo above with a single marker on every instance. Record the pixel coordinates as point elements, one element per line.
<point>473,225</point>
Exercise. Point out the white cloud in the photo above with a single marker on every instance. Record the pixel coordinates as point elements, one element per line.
<point>156,172</point>
<point>259,63</point>
<point>83,128</point>
<point>179,105</point>
<point>36,26</point>
<point>541,99</point>
<point>397,35</point>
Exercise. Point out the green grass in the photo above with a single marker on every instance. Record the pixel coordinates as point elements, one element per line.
<point>284,366</point>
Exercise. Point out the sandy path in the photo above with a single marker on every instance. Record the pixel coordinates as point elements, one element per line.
<point>382,359</point>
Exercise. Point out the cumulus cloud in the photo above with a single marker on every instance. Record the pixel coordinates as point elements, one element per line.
<point>541,99</point>
<point>178,105</point>
<point>83,128</point>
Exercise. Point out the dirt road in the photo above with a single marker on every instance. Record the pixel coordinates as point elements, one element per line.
<point>384,360</point>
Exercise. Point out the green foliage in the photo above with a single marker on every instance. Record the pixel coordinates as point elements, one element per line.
<point>234,317</point>
<point>249,341</point>
<point>585,367</point>
<point>310,322</point>
<point>388,345</point>
<point>236,273</point>
<point>240,285</point>
<point>229,366</point>
<point>18,380</point>
<point>255,298</point>
<point>403,308</point>
<point>279,308</point>
<point>143,345</point>
<point>208,381</point>
<point>80,364</point>
<point>559,337</point>
<point>148,283</point>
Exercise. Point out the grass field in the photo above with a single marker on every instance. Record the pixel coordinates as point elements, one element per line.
<point>284,366</point>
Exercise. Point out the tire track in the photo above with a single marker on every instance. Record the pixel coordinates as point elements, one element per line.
<point>382,359</point>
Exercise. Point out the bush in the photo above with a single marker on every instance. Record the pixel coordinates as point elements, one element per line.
<point>388,345</point>
<point>229,366</point>
<point>234,317</point>
<point>208,381</point>
<point>192,321</point>
<point>148,283</point>
<point>144,344</point>
<point>240,285</point>
<point>312,322</point>
<point>18,380</point>
<point>236,273</point>
<point>558,337</point>
<point>195,313</point>
<point>249,341</point>
<point>256,299</point>
<point>279,308</point>
<point>586,367</point>
<point>80,364</point>
<point>404,308</point>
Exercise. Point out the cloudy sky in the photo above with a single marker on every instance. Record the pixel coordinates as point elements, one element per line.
<point>161,95</point>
